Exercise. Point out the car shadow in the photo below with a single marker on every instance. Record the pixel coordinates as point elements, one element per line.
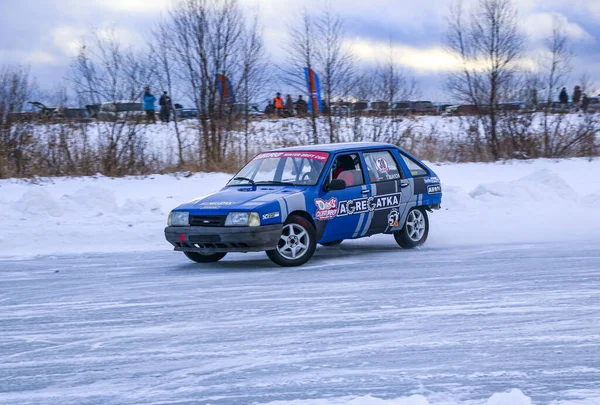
<point>325,257</point>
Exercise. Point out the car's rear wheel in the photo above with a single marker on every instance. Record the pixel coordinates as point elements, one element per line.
<point>204,257</point>
<point>297,243</point>
<point>415,230</point>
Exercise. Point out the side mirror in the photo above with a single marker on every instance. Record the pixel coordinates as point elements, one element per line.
<point>336,184</point>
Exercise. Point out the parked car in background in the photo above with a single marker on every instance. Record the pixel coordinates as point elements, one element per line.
<point>186,113</point>
<point>251,109</point>
<point>121,110</point>
<point>593,105</point>
<point>75,113</point>
<point>423,108</point>
<point>401,108</point>
<point>554,107</point>
<point>360,107</point>
<point>379,107</point>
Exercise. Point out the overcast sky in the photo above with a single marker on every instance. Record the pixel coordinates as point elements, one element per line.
<point>45,33</point>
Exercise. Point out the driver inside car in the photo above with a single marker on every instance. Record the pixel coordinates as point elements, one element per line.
<point>343,171</point>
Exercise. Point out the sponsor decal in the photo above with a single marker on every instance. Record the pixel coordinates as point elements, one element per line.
<point>320,156</point>
<point>271,215</point>
<point>209,204</point>
<point>368,204</point>
<point>382,165</point>
<point>392,176</point>
<point>326,209</point>
<point>434,189</point>
<point>393,218</point>
<point>431,180</point>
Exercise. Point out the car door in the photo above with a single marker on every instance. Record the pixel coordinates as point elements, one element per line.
<point>390,192</point>
<point>341,212</point>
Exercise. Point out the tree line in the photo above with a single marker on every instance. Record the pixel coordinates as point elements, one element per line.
<point>196,39</point>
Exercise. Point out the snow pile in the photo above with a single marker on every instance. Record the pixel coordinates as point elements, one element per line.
<point>534,201</point>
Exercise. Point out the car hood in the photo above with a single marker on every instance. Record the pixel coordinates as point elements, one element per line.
<point>238,198</point>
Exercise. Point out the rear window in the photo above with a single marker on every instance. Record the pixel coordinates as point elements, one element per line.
<point>594,101</point>
<point>415,168</point>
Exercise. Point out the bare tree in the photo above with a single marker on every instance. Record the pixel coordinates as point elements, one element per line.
<point>392,84</point>
<point>163,51</point>
<point>107,71</point>
<point>558,63</point>
<point>206,36</point>
<point>301,49</point>
<point>16,88</point>
<point>556,68</point>
<point>254,72</point>
<point>489,46</point>
<point>335,61</point>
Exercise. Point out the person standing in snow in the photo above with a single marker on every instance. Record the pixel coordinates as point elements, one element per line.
<point>165,107</point>
<point>576,97</point>
<point>585,102</point>
<point>563,97</point>
<point>278,102</point>
<point>301,107</point>
<point>289,106</point>
<point>270,108</point>
<point>149,101</point>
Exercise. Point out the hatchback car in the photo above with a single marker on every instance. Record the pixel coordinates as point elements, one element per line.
<point>286,201</point>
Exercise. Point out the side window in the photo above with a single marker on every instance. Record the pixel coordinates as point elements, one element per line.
<point>415,168</point>
<point>382,166</point>
<point>349,169</point>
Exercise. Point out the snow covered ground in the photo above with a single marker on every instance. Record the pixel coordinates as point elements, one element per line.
<point>533,201</point>
<point>361,324</point>
<point>500,307</point>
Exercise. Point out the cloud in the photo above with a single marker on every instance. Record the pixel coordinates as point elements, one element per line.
<point>34,57</point>
<point>539,26</point>
<point>422,61</point>
<point>67,39</point>
<point>138,6</point>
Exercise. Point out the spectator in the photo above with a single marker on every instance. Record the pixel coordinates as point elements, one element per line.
<point>563,97</point>
<point>289,106</point>
<point>270,108</point>
<point>585,102</point>
<point>301,107</point>
<point>149,101</point>
<point>278,102</point>
<point>576,97</point>
<point>166,105</point>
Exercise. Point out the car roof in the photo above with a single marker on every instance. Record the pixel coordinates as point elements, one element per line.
<point>338,147</point>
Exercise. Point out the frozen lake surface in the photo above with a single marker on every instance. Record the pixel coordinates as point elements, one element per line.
<point>365,318</point>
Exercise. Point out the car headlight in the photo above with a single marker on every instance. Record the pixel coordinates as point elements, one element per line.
<point>242,219</point>
<point>179,219</point>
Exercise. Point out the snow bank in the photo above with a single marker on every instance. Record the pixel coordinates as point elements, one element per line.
<point>522,202</point>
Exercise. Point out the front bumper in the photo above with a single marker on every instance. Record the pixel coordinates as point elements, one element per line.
<point>223,239</point>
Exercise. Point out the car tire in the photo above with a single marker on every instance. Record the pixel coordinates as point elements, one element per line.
<point>415,230</point>
<point>297,243</point>
<point>204,257</point>
<point>334,243</point>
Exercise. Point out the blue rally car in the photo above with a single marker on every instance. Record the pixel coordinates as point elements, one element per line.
<point>286,201</point>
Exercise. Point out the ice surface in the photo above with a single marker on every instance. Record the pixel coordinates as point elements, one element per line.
<point>360,324</point>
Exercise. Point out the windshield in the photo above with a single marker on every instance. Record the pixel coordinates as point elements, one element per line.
<point>287,168</point>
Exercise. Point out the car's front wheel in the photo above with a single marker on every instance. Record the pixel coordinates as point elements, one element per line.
<point>415,230</point>
<point>297,243</point>
<point>204,257</point>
